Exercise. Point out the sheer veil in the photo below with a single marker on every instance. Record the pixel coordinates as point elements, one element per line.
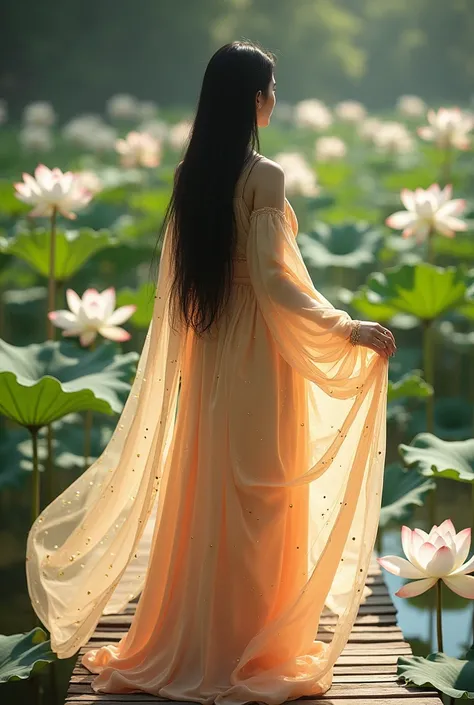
<point>88,550</point>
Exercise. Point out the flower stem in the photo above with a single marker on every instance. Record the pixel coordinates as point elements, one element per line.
<point>35,491</point>
<point>439,626</point>
<point>51,277</point>
<point>88,428</point>
<point>430,245</point>
<point>428,367</point>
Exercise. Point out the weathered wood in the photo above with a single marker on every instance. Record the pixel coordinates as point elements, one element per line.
<point>364,674</point>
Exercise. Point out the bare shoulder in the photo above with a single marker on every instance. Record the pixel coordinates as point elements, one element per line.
<point>269,185</point>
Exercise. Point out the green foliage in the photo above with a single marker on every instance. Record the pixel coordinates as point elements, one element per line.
<point>410,385</point>
<point>73,249</point>
<point>452,676</point>
<point>422,290</point>
<point>40,383</point>
<point>143,298</point>
<point>403,490</point>
<point>23,655</point>
<point>350,244</point>
<point>433,457</point>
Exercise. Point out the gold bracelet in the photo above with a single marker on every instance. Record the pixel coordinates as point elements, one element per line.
<point>355,333</point>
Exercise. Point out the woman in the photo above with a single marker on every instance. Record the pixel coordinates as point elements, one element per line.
<point>244,510</point>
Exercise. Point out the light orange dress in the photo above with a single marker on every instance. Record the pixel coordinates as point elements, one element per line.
<point>240,509</point>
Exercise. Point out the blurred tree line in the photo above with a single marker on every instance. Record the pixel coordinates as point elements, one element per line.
<point>77,54</point>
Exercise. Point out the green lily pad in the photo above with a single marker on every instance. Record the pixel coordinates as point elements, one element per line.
<point>40,383</point>
<point>369,304</point>
<point>23,655</point>
<point>433,457</point>
<point>73,248</point>
<point>143,298</point>
<point>403,490</point>
<point>452,676</point>
<point>422,290</point>
<point>349,244</point>
<point>410,385</point>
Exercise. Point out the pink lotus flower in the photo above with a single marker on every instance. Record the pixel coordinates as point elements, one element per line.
<point>439,555</point>
<point>52,189</point>
<point>427,212</point>
<point>139,149</point>
<point>93,314</point>
<point>449,127</point>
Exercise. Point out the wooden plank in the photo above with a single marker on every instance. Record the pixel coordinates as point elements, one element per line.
<point>364,674</point>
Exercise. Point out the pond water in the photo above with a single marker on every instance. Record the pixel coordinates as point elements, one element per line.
<point>16,615</point>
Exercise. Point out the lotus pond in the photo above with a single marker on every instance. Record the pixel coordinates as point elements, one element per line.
<point>410,171</point>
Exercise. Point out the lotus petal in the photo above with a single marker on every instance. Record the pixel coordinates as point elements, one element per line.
<point>442,562</point>
<point>464,569</point>
<point>425,553</point>
<point>122,314</point>
<point>461,584</point>
<point>416,587</point>
<point>73,301</point>
<point>463,544</point>
<point>400,566</point>
<point>114,333</point>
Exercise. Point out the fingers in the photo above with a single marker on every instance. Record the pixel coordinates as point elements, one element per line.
<point>387,336</point>
<point>379,347</point>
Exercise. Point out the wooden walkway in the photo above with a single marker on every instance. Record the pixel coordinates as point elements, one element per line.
<point>365,673</point>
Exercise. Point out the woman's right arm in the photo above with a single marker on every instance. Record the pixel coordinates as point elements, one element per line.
<point>307,327</point>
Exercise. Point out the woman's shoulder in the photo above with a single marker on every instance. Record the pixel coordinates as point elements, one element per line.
<point>269,184</point>
<point>268,168</point>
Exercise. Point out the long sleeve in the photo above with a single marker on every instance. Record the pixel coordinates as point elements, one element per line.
<point>311,334</point>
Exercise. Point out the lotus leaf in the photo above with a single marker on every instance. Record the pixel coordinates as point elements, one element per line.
<point>433,457</point>
<point>452,676</point>
<point>403,490</point>
<point>23,655</point>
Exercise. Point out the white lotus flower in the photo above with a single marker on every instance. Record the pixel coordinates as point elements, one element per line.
<point>93,315</point>
<point>393,137</point>
<point>90,181</point>
<point>79,129</point>
<point>313,113</point>
<point>427,212</point>
<point>300,179</point>
<point>139,149</point>
<point>329,149</point>
<point>123,107</point>
<point>40,113</point>
<point>411,106</point>
<point>178,134</point>
<point>3,111</point>
<point>52,189</point>
<point>35,138</point>
<point>449,127</point>
<point>156,128</point>
<point>350,111</point>
<point>368,128</point>
<point>439,555</point>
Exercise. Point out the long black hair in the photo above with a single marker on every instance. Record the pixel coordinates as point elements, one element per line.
<point>222,140</point>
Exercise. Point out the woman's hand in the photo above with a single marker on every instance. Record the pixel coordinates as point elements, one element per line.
<point>377,337</point>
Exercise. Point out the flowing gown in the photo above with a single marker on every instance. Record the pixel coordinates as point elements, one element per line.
<point>239,503</point>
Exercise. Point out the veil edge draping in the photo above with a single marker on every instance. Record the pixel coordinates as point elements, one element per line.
<point>88,550</point>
